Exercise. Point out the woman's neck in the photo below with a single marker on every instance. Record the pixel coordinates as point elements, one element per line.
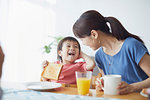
<point>111,45</point>
<point>109,42</point>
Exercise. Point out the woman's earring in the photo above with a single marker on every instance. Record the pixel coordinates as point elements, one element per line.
<point>99,41</point>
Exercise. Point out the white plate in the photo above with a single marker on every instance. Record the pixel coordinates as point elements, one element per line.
<point>145,95</point>
<point>42,85</point>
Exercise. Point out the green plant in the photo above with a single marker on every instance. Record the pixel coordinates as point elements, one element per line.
<point>54,43</point>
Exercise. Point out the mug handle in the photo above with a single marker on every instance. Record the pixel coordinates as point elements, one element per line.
<point>102,78</point>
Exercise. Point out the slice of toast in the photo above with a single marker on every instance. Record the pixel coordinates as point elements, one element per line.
<point>52,71</point>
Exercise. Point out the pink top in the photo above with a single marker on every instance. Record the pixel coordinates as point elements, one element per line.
<point>67,74</point>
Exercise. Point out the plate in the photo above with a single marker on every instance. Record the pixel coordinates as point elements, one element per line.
<point>42,85</point>
<point>143,94</point>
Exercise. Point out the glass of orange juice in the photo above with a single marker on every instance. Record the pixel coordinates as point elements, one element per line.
<point>83,80</point>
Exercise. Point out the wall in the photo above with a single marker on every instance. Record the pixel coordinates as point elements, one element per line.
<point>26,24</point>
<point>133,14</point>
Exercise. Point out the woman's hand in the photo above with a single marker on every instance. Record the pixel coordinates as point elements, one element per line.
<point>99,84</point>
<point>125,88</point>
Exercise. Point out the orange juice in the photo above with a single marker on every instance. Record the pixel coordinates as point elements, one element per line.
<point>83,85</point>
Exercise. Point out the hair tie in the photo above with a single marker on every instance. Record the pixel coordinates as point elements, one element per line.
<point>106,20</point>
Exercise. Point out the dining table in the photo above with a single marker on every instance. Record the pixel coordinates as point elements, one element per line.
<point>17,90</point>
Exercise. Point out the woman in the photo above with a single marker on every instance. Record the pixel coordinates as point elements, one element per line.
<point>119,52</point>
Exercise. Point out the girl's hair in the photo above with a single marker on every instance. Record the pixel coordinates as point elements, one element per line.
<point>93,20</point>
<point>60,45</point>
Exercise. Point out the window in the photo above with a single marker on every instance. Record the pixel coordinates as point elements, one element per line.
<point>25,25</point>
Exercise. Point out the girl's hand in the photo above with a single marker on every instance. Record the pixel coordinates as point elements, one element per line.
<point>125,88</point>
<point>81,55</point>
<point>99,84</point>
<point>45,79</point>
<point>45,63</point>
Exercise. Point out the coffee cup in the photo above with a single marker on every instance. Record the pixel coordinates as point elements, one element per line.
<point>111,83</point>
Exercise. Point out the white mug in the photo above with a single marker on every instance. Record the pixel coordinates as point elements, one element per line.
<point>111,83</point>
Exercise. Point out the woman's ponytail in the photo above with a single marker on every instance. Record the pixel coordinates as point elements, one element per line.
<point>118,31</point>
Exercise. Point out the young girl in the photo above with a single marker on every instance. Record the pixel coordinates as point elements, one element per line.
<point>68,51</point>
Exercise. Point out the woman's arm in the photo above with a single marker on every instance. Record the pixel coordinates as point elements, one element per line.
<point>1,60</point>
<point>138,86</point>
<point>90,63</point>
<point>145,66</point>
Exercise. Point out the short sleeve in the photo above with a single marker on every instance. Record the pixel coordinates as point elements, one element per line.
<point>138,50</point>
<point>82,66</point>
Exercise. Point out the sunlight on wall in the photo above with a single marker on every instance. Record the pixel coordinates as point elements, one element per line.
<point>29,25</point>
<point>26,24</point>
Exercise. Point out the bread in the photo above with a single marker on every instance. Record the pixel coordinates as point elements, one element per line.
<point>144,91</point>
<point>52,71</point>
<point>99,75</point>
<point>93,84</point>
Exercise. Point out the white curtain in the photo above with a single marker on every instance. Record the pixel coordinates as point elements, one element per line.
<point>24,29</point>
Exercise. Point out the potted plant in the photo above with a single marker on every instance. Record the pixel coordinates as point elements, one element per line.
<point>53,44</point>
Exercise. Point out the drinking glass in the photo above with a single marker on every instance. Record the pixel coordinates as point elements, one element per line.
<point>83,80</point>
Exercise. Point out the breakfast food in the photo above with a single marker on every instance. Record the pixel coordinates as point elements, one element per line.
<point>99,75</point>
<point>144,91</point>
<point>93,84</point>
<point>52,71</point>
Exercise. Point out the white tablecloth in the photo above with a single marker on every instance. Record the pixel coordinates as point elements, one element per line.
<point>13,94</point>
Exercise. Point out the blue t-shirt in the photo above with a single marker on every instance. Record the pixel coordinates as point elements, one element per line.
<point>125,62</point>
